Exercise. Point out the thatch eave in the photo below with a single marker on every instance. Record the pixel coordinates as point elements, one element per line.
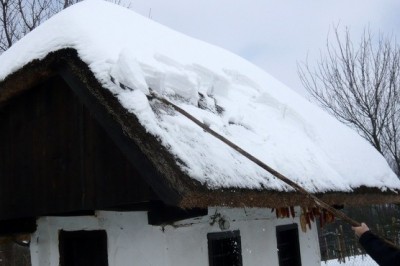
<point>276,199</point>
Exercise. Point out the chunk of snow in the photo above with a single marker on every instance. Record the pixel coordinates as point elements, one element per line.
<point>127,71</point>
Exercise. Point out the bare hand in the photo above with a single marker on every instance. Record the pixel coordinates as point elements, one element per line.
<point>359,230</point>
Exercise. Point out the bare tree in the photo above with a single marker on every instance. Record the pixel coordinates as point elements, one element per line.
<point>63,4</point>
<point>18,17</point>
<point>32,13</point>
<point>360,85</point>
<point>9,24</point>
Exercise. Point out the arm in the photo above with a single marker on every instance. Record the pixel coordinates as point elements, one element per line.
<point>383,253</point>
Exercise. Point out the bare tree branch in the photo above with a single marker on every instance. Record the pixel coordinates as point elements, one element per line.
<point>9,31</point>
<point>19,17</point>
<point>360,85</point>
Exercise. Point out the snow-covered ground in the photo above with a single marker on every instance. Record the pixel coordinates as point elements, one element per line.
<point>353,261</point>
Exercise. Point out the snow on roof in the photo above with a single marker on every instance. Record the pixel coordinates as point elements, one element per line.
<point>232,96</point>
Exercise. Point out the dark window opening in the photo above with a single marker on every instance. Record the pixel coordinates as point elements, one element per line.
<point>83,248</point>
<point>288,245</point>
<point>224,249</point>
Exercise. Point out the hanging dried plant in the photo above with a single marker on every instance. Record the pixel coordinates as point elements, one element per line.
<point>307,216</point>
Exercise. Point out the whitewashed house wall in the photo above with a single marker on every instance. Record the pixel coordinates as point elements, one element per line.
<point>132,241</point>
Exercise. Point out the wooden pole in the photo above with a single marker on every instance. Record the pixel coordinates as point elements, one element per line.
<point>295,186</point>
<point>272,171</point>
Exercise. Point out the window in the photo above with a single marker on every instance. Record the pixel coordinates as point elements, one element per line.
<point>288,245</point>
<point>83,248</point>
<point>224,249</point>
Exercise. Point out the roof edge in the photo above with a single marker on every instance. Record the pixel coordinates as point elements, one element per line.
<point>28,76</point>
<point>274,199</point>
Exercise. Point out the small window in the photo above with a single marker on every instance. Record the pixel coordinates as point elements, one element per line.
<point>83,248</point>
<point>224,249</point>
<point>288,245</point>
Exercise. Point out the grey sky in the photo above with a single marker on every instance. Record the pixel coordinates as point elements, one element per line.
<point>272,34</point>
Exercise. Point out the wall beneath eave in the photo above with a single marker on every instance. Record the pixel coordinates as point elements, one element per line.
<point>131,241</point>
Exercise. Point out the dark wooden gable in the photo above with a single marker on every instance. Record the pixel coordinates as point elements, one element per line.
<point>56,158</point>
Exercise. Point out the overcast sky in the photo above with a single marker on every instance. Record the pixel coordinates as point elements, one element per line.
<point>274,35</point>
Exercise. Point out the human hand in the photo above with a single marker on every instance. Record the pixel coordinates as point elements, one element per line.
<point>359,230</point>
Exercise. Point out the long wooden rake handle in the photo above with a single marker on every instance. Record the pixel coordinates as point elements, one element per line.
<point>294,185</point>
<point>297,187</point>
<point>269,169</point>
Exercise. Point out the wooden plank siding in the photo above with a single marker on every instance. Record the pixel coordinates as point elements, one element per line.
<point>55,157</point>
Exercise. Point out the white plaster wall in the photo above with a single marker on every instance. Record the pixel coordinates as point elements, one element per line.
<point>131,241</point>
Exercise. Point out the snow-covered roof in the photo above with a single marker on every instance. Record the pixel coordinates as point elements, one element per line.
<point>229,94</point>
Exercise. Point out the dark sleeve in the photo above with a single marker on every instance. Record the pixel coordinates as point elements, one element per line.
<point>383,253</point>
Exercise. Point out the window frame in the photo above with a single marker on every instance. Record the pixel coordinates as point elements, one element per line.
<point>215,236</point>
<point>296,242</point>
<point>101,247</point>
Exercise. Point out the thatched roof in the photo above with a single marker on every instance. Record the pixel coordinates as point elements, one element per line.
<point>190,192</point>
